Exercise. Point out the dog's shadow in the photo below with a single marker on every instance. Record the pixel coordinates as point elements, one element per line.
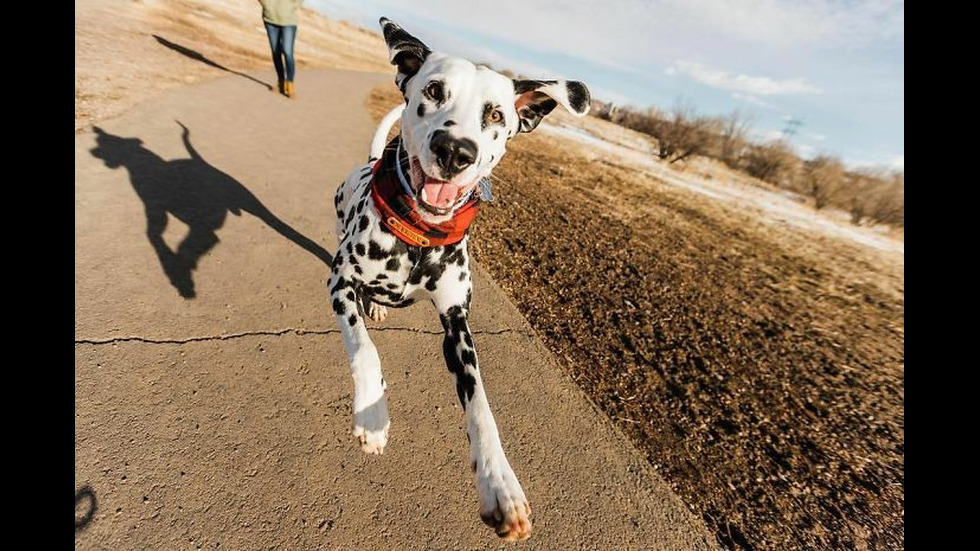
<point>194,192</point>
<point>85,507</point>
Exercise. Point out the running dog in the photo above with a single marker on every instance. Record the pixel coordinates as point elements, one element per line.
<point>402,223</point>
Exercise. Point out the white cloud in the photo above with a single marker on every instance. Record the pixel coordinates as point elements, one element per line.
<point>816,136</point>
<point>619,33</point>
<point>754,100</point>
<point>606,94</point>
<point>768,135</point>
<point>745,84</point>
<point>774,22</point>
<point>866,159</point>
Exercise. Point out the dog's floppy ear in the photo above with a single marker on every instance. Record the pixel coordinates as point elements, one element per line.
<point>536,98</point>
<point>404,51</point>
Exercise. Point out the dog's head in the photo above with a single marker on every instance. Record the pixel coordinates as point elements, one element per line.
<point>458,117</point>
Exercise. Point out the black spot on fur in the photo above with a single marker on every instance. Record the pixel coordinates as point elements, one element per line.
<point>454,325</point>
<point>462,276</point>
<point>359,249</point>
<point>350,296</point>
<point>392,286</point>
<point>578,96</point>
<point>449,123</point>
<point>358,270</point>
<point>338,307</point>
<point>363,224</point>
<point>383,296</point>
<point>421,110</point>
<point>496,134</point>
<point>375,252</point>
<point>382,277</point>
<point>352,320</point>
<point>406,52</point>
<point>393,264</point>
<point>341,284</point>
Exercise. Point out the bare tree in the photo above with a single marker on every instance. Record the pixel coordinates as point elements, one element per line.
<point>681,133</point>
<point>774,162</point>
<point>822,179</point>
<point>887,204</point>
<point>877,196</point>
<point>733,137</point>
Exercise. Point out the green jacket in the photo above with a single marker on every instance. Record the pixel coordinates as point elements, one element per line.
<point>280,12</point>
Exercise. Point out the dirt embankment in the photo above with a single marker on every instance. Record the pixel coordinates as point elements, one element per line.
<point>763,380</point>
<point>127,52</point>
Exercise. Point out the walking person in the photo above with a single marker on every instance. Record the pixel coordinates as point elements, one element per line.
<point>280,24</point>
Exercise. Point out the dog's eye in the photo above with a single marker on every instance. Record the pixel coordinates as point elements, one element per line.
<point>434,91</point>
<point>496,117</point>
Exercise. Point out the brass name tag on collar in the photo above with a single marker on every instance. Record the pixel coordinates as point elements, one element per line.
<point>417,238</point>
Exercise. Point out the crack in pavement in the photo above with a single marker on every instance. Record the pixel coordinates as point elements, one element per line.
<point>277,333</point>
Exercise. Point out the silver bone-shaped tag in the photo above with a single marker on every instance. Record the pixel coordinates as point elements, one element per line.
<point>485,194</point>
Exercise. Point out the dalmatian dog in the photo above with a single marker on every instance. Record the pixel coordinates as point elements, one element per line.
<point>454,127</point>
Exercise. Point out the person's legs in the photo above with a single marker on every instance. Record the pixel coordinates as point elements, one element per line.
<point>288,41</point>
<point>275,33</point>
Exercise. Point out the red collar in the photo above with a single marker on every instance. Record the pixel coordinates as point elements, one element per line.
<point>397,209</point>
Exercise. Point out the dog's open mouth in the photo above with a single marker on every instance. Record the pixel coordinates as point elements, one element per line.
<point>434,195</point>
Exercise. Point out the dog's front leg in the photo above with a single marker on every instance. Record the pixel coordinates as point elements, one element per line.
<point>370,406</point>
<point>503,505</point>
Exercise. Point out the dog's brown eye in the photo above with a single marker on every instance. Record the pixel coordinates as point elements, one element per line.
<point>496,117</point>
<point>434,91</point>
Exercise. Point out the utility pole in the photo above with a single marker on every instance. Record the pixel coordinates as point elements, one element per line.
<point>791,127</point>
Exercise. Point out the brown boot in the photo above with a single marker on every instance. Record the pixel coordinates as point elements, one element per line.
<point>287,89</point>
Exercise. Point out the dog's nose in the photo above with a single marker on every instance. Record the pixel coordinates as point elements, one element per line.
<point>453,155</point>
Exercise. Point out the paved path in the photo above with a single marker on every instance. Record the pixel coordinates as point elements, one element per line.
<point>211,388</point>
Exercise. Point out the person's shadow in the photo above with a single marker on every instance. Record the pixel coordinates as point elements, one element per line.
<point>194,192</point>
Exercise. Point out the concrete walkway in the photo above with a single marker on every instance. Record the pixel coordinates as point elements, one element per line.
<point>211,388</point>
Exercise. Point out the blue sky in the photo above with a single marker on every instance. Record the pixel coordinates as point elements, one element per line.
<point>838,66</point>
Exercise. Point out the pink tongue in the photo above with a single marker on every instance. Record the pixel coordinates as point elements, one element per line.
<point>441,194</point>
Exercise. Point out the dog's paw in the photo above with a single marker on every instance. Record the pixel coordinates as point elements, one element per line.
<point>371,427</point>
<point>377,312</point>
<point>503,505</point>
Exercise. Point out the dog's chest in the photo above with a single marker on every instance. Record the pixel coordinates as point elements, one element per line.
<point>394,274</point>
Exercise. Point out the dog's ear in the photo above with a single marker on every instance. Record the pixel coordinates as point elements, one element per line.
<point>404,50</point>
<point>536,98</point>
